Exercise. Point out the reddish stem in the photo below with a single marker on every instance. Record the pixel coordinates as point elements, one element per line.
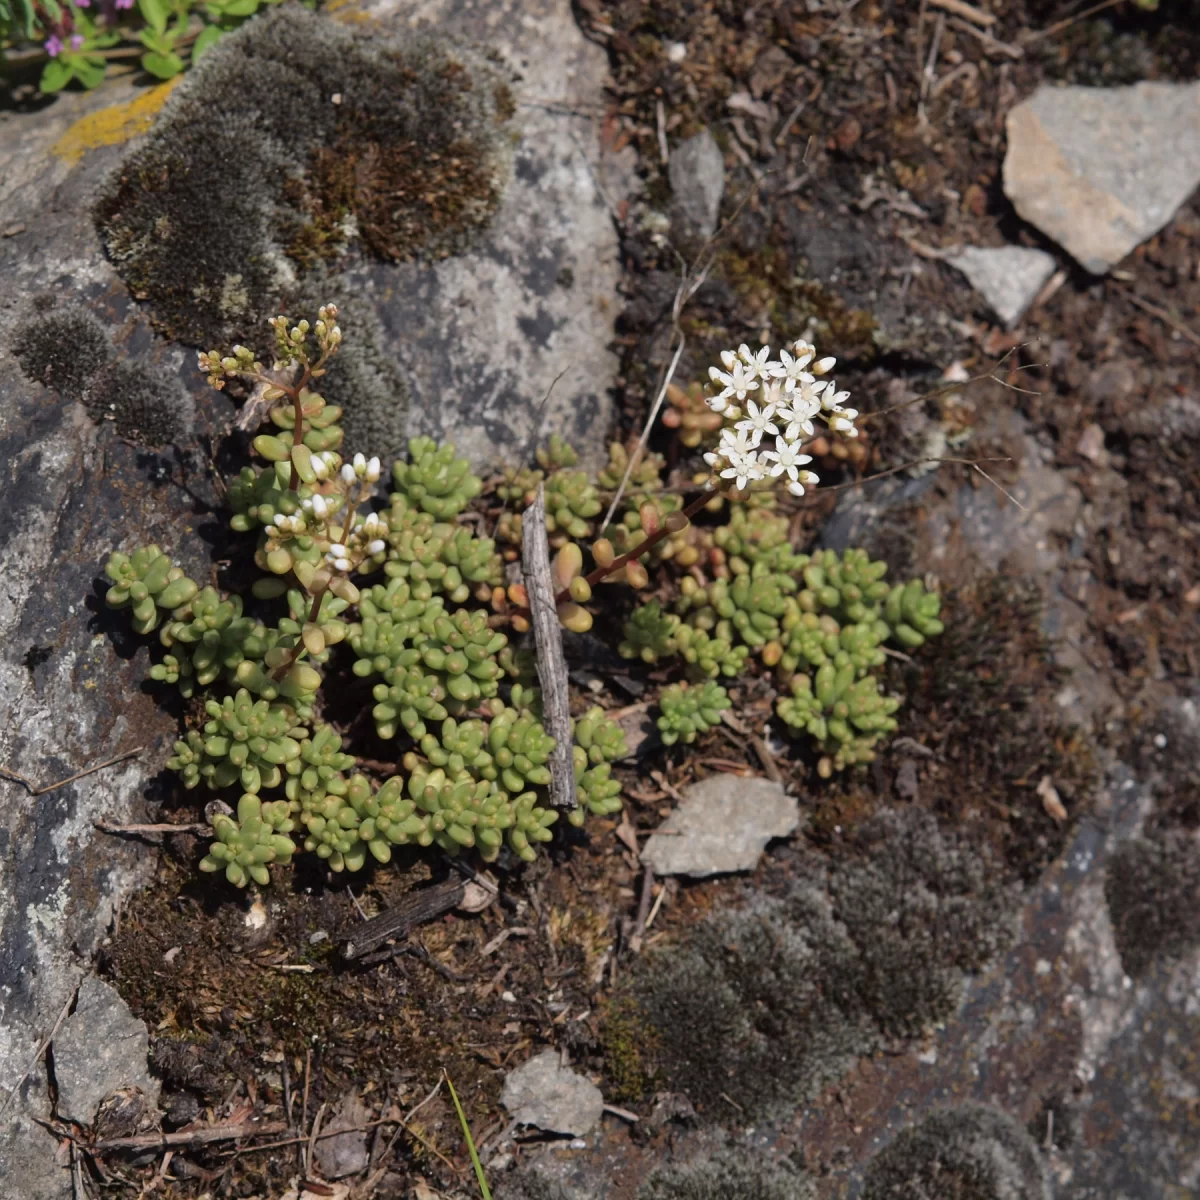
<point>313,613</point>
<point>602,573</point>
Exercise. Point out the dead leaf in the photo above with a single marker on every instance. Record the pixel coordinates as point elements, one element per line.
<point>1055,809</point>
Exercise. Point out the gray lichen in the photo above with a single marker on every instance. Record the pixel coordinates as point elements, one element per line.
<point>736,1173</point>
<point>63,349</point>
<point>69,350</point>
<point>1153,893</point>
<point>293,137</point>
<point>758,1008</point>
<point>967,1153</point>
<point>149,406</point>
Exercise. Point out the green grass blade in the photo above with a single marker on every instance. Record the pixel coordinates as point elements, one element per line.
<point>462,1120</point>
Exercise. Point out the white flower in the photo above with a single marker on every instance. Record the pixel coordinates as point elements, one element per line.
<point>317,507</point>
<point>373,470</point>
<point>337,550</point>
<point>321,466</point>
<point>337,559</point>
<point>792,370</point>
<point>743,470</point>
<point>271,531</point>
<point>758,421</point>
<point>378,546</point>
<point>823,366</point>
<point>832,398</point>
<point>728,358</point>
<point>758,365</point>
<point>788,459</point>
<point>348,475</point>
<point>796,487</point>
<point>736,382</point>
<point>360,465</point>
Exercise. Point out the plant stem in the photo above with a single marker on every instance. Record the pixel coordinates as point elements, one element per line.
<point>663,532</point>
<point>313,613</point>
<point>602,573</point>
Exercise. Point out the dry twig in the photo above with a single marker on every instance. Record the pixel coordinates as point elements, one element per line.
<point>34,790</point>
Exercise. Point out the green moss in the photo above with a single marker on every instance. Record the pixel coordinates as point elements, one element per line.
<point>757,1009</point>
<point>63,349</point>
<point>767,281</point>
<point>966,1153</point>
<point>735,1173</point>
<point>254,172</point>
<point>628,1045</point>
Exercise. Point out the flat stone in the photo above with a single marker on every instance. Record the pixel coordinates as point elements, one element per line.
<point>1100,170</point>
<point>697,174</point>
<point>347,1153</point>
<point>723,825</point>
<point>1007,277</point>
<point>101,1048</point>
<point>544,1093</point>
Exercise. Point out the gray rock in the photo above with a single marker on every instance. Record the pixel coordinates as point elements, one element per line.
<point>723,824</point>
<point>544,1093</point>
<point>1101,169</point>
<point>697,173</point>
<point>101,1047</point>
<point>1007,277</point>
<point>347,1153</point>
<point>483,337</point>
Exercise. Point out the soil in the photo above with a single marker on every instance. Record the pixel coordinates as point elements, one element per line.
<point>845,159</point>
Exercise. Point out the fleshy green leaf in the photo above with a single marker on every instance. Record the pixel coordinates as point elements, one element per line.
<point>56,74</point>
<point>208,35</point>
<point>162,66</point>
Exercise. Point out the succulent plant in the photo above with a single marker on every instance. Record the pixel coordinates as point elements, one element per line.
<point>912,613</point>
<point>435,480</point>
<point>708,655</point>
<point>147,581</point>
<point>599,742</point>
<point>447,558</point>
<point>690,711</point>
<point>247,845</point>
<point>689,412</point>
<point>557,454</point>
<point>650,633</point>
<point>757,537</point>
<point>571,502</point>
<point>246,741</point>
<point>843,712</point>
<point>644,480</point>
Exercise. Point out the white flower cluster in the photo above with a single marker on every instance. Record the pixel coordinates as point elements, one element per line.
<point>318,513</point>
<point>790,396</point>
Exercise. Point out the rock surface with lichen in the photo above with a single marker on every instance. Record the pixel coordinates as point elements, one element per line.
<point>104,425</point>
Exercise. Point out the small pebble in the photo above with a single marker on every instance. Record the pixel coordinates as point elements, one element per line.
<point>508,998</point>
<point>319,936</point>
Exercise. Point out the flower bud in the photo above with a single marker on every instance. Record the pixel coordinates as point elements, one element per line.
<point>373,469</point>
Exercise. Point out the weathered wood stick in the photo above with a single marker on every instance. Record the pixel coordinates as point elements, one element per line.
<point>417,908</point>
<point>188,1137</point>
<point>551,661</point>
